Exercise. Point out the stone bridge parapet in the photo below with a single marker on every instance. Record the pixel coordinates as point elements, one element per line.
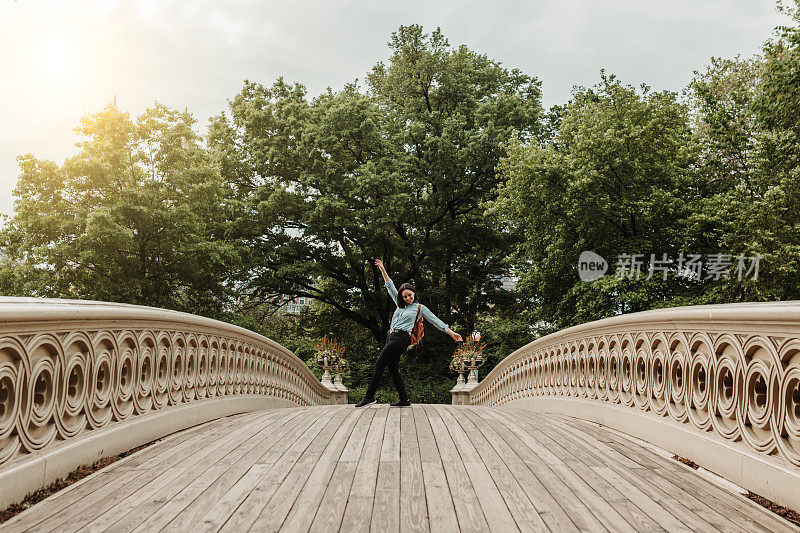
<point>81,380</point>
<point>717,384</point>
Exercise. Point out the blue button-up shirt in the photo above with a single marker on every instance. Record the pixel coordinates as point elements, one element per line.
<point>404,317</point>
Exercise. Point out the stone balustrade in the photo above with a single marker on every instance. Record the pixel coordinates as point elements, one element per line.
<point>73,371</point>
<point>717,384</point>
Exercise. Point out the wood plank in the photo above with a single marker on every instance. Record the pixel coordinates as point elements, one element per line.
<point>331,509</point>
<point>386,505</point>
<point>564,497</point>
<point>632,514</point>
<point>284,468</point>
<point>748,514</point>
<point>176,439</point>
<point>193,512</point>
<point>628,510</point>
<point>554,501</point>
<point>308,500</point>
<point>446,447</point>
<point>390,449</point>
<point>219,467</point>
<point>594,452</point>
<point>413,506</point>
<point>679,501</point>
<point>697,506</point>
<point>219,513</point>
<point>427,468</point>
<point>467,503</point>
<point>590,441</point>
<point>328,516</point>
<point>441,511</point>
<point>114,509</point>
<point>352,450</point>
<point>668,491</point>
<point>540,451</point>
<point>540,429</point>
<point>491,501</point>
<point>362,492</point>
<point>158,519</point>
<point>603,509</point>
<point>646,504</point>
<point>466,451</point>
<point>78,496</point>
<point>524,512</point>
<point>428,450</point>
<point>87,508</point>
<point>168,453</point>
<point>59,501</point>
<point>126,517</point>
<point>687,498</point>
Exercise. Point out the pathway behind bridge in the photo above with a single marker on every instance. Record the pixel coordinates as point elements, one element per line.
<point>427,468</point>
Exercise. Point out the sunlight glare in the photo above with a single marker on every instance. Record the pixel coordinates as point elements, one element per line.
<point>57,61</point>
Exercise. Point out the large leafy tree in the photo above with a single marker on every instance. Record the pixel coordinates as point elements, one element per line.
<point>643,172</point>
<point>399,171</point>
<point>750,160</point>
<point>612,179</point>
<point>137,216</point>
<point>772,213</point>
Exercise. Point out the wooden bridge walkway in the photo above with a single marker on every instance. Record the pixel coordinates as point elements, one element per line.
<point>427,468</point>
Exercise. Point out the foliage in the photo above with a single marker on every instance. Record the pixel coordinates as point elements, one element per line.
<point>442,164</point>
<point>611,179</point>
<point>398,172</point>
<point>629,171</point>
<point>136,216</point>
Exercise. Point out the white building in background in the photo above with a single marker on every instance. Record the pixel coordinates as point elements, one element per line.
<point>295,305</point>
<point>509,283</point>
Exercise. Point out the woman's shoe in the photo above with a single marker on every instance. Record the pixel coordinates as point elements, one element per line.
<point>366,401</point>
<point>401,403</point>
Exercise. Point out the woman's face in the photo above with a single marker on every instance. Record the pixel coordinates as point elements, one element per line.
<point>408,296</point>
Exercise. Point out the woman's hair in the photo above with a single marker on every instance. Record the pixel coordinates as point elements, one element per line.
<point>403,287</point>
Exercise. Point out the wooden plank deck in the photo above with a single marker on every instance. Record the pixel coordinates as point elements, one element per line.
<point>428,468</point>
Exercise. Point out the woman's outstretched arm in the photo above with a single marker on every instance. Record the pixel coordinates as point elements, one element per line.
<point>387,281</point>
<point>436,321</point>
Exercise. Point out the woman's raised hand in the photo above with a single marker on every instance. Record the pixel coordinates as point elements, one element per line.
<point>456,336</point>
<point>379,264</point>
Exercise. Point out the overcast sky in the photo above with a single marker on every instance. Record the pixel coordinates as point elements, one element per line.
<point>61,58</point>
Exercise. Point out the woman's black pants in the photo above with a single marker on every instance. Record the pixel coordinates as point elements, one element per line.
<point>396,344</point>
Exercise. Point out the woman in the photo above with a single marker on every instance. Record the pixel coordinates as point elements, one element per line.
<point>399,337</point>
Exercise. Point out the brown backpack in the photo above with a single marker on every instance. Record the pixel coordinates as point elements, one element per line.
<point>418,331</point>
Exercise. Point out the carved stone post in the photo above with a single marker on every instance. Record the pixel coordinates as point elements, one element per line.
<point>468,357</point>
<point>458,393</point>
<point>329,357</point>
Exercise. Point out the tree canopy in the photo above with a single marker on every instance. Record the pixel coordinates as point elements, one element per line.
<point>441,162</point>
<point>397,171</point>
<point>712,173</point>
<point>136,216</point>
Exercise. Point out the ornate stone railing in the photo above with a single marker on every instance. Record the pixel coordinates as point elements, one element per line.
<point>717,384</point>
<point>79,380</point>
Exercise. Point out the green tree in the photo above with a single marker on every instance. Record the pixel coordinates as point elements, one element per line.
<point>397,172</point>
<point>614,178</point>
<point>750,164</point>
<point>137,216</point>
<point>629,172</point>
